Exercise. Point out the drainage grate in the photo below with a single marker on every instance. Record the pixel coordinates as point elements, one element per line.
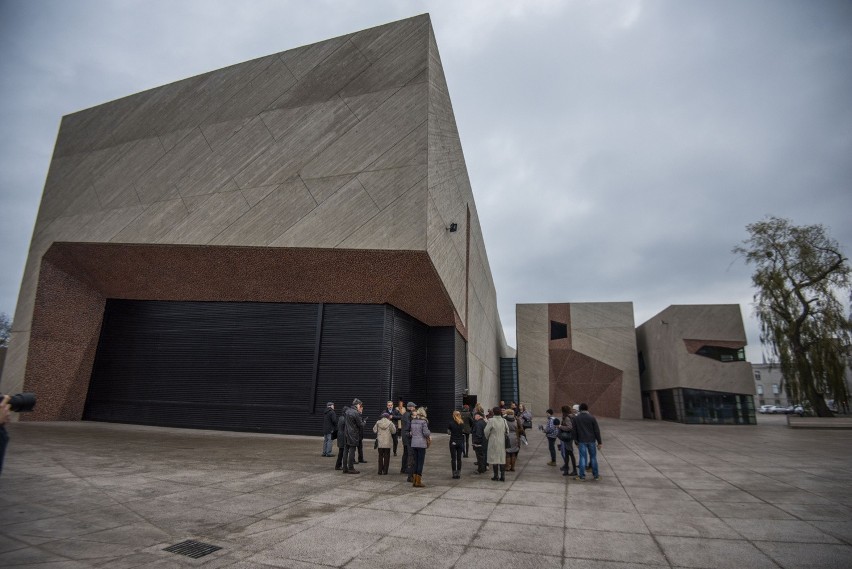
<point>192,548</point>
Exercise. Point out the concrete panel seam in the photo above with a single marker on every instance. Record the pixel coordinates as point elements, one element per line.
<point>224,229</point>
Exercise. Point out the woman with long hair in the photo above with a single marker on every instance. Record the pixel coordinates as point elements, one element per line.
<point>456,431</point>
<point>496,431</point>
<point>420,439</point>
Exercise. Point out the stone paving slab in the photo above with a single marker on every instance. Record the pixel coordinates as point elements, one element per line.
<point>76,495</point>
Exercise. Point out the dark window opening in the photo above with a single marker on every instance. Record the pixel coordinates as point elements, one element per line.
<point>722,354</point>
<point>558,330</point>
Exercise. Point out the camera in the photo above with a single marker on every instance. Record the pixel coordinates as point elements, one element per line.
<point>22,402</point>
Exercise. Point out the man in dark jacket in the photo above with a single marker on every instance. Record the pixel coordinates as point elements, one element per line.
<point>354,432</point>
<point>341,438</point>
<point>407,455</point>
<point>329,428</point>
<point>587,433</point>
<point>479,442</point>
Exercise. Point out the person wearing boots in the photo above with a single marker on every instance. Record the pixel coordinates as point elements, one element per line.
<point>354,433</point>
<point>566,438</point>
<point>456,431</point>
<point>421,438</point>
<point>514,447</point>
<point>407,456</point>
<point>479,441</point>
<point>496,431</point>
<point>384,429</point>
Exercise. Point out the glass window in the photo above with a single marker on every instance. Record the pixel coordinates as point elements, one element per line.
<point>722,354</point>
<point>714,407</point>
<point>760,390</point>
<point>775,390</point>
<point>756,375</point>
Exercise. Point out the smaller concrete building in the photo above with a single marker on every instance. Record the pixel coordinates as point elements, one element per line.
<point>579,352</point>
<point>692,365</point>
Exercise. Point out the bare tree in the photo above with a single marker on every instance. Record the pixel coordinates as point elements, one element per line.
<point>799,273</point>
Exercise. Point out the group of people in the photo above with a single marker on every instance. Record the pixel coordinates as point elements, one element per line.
<point>576,427</point>
<point>496,436</point>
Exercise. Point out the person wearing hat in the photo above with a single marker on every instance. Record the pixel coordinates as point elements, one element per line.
<point>384,429</point>
<point>477,435</point>
<point>496,431</point>
<point>329,428</point>
<point>354,434</point>
<point>407,456</point>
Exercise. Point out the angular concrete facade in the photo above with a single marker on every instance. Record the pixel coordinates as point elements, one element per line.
<point>697,348</point>
<point>326,173</point>
<point>579,352</point>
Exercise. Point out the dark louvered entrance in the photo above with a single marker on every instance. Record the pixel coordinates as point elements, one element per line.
<point>266,367</point>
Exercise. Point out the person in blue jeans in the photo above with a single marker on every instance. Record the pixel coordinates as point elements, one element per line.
<point>588,437</point>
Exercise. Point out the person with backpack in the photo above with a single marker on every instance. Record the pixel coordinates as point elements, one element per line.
<point>566,437</point>
<point>552,433</point>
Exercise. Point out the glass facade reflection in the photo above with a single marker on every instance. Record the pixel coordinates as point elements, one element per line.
<point>700,406</point>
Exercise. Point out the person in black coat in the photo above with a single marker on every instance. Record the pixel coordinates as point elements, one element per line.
<point>329,428</point>
<point>477,435</point>
<point>467,422</point>
<point>341,438</point>
<point>456,431</point>
<point>354,433</point>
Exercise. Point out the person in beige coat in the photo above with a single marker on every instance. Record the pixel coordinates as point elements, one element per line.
<point>495,432</point>
<point>384,429</point>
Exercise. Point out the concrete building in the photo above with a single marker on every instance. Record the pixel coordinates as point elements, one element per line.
<point>692,365</point>
<point>237,248</point>
<point>579,352</point>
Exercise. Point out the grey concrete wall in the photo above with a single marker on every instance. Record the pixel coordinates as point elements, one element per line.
<point>349,143</point>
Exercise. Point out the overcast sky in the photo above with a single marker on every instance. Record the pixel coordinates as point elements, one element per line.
<point>617,149</point>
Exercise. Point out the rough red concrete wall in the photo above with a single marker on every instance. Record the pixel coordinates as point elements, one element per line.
<point>577,378</point>
<point>77,278</point>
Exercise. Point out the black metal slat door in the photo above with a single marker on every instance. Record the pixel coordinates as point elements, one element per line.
<point>218,365</point>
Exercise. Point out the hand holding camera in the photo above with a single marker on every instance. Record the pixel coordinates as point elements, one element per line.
<point>20,403</point>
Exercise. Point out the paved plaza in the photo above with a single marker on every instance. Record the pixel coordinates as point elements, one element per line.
<point>105,495</point>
